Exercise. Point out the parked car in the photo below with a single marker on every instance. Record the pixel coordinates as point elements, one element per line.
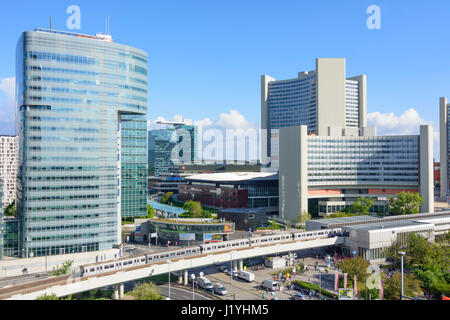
<point>204,283</point>
<point>235,273</point>
<point>320,269</point>
<point>223,268</point>
<point>298,296</point>
<point>219,289</point>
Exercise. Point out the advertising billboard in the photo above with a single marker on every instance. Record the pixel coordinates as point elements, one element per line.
<point>228,228</point>
<point>207,238</point>
<point>187,236</point>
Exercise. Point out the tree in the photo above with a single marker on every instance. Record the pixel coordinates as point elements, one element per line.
<point>193,209</point>
<point>48,297</point>
<point>167,198</point>
<point>52,297</point>
<point>355,266</point>
<point>146,291</point>
<point>430,261</point>
<point>361,206</point>
<point>150,211</point>
<point>303,217</point>
<point>405,203</point>
<point>392,286</point>
<point>340,215</point>
<point>10,210</point>
<point>65,268</point>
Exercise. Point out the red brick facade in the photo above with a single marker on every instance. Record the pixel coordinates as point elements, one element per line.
<point>223,198</point>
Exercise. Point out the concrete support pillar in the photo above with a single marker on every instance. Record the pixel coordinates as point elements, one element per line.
<point>426,187</point>
<point>241,265</point>
<point>116,292</point>
<point>121,291</point>
<point>235,265</point>
<point>186,279</point>
<point>180,278</point>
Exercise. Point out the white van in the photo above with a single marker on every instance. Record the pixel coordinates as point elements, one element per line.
<point>247,276</point>
<point>270,285</point>
<point>204,283</point>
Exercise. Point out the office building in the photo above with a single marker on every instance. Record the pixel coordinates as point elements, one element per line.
<point>369,236</point>
<point>1,220</point>
<point>445,147</point>
<point>318,99</point>
<point>82,124</point>
<point>228,190</point>
<point>8,167</point>
<point>326,174</point>
<point>171,147</point>
<point>183,231</point>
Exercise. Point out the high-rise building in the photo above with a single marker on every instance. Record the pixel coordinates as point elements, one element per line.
<point>8,167</point>
<point>331,172</point>
<point>1,220</point>
<point>81,118</point>
<point>171,147</point>
<point>445,147</point>
<point>318,99</point>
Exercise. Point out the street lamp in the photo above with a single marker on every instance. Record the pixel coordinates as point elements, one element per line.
<point>402,254</point>
<point>169,262</point>
<point>320,285</point>
<point>193,280</point>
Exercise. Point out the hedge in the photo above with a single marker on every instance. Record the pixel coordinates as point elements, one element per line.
<point>310,286</point>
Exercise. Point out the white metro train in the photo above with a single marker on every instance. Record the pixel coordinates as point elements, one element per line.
<point>124,263</point>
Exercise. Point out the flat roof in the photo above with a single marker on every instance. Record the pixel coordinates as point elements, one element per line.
<point>345,219</point>
<point>165,208</point>
<point>389,225</point>
<point>384,220</point>
<point>233,177</point>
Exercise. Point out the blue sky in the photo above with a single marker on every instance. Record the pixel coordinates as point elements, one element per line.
<point>206,57</point>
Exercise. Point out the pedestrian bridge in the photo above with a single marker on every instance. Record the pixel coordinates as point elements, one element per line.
<point>67,285</point>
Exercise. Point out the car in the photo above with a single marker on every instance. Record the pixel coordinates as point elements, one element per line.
<point>235,273</point>
<point>204,283</point>
<point>298,296</point>
<point>320,269</point>
<point>223,268</point>
<point>219,289</point>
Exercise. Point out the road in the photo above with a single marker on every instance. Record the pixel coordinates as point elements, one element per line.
<point>177,293</point>
<point>13,281</point>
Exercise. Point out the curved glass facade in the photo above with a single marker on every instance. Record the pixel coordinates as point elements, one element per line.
<point>293,103</point>
<point>81,106</point>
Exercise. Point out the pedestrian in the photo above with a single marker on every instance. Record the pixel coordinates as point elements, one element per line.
<point>310,295</point>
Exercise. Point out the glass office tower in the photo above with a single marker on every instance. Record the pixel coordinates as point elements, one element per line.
<point>81,117</point>
<point>162,142</point>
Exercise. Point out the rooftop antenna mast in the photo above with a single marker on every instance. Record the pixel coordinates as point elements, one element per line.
<point>50,23</point>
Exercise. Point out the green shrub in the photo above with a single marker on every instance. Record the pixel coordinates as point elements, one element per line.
<point>316,288</point>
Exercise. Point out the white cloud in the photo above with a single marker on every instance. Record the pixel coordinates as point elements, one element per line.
<point>408,123</point>
<point>216,135</point>
<point>233,120</point>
